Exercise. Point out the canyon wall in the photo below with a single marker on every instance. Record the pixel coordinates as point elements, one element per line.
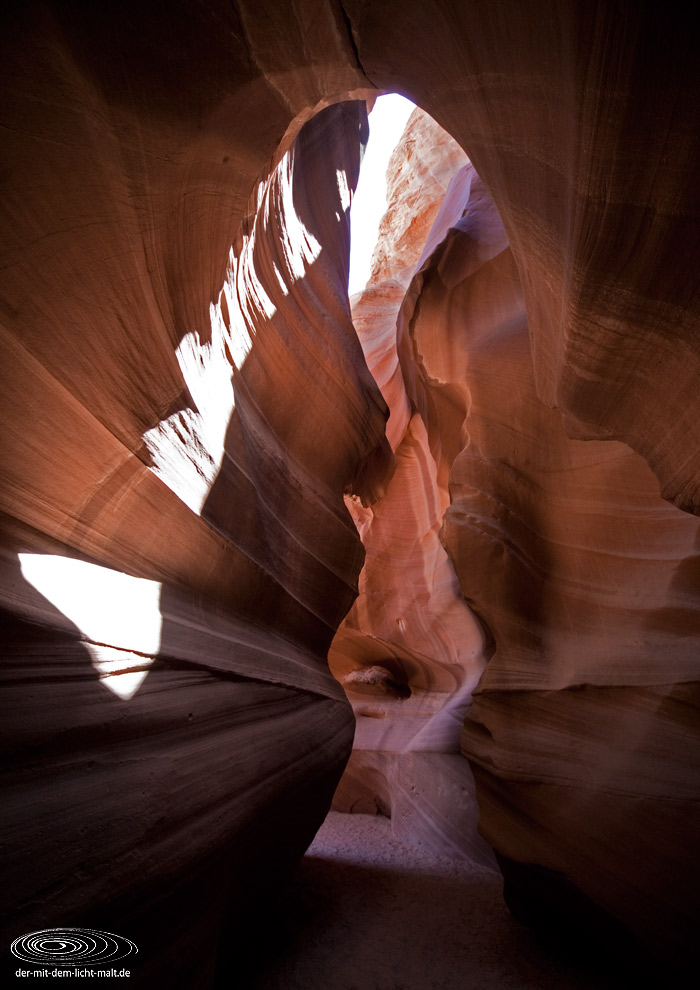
<point>586,580</point>
<point>175,735</point>
<point>133,138</point>
<point>409,653</point>
<point>583,578</point>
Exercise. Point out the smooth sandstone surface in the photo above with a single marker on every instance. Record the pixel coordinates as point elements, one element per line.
<point>582,726</point>
<point>150,805</point>
<point>583,578</point>
<point>409,653</point>
<point>133,139</point>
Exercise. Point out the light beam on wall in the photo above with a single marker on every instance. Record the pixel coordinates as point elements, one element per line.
<point>118,614</point>
<point>187,448</point>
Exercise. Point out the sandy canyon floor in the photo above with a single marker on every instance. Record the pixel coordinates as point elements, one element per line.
<point>368,912</point>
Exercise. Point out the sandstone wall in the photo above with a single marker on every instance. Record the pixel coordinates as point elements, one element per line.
<point>582,727</point>
<point>174,746</point>
<point>410,652</point>
<point>133,136</point>
<point>583,578</point>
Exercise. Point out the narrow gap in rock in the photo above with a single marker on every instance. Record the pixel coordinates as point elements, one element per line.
<point>214,459</point>
<point>398,889</point>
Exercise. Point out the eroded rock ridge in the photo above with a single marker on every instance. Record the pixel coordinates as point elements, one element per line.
<point>544,411</point>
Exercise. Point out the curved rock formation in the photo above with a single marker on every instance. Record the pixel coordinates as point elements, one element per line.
<point>582,726</point>
<point>409,653</point>
<point>133,137</point>
<point>582,124</point>
<point>155,746</point>
<point>583,577</point>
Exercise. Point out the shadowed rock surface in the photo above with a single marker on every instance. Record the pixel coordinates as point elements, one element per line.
<point>368,912</point>
<point>582,723</point>
<point>155,811</point>
<point>548,347</point>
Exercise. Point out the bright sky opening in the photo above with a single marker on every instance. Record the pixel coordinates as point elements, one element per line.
<point>386,124</point>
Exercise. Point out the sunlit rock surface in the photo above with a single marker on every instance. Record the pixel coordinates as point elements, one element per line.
<point>132,141</point>
<point>164,719</point>
<point>419,172</point>
<point>409,652</point>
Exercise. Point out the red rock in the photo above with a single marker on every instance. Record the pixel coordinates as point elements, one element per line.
<point>580,729</point>
<point>419,172</point>
<point>131,145</point>
<point>114,795</point>
<point>409,621</point>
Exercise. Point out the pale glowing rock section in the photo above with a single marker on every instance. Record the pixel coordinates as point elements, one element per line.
<point>409,653</point>
<point>583,578</point>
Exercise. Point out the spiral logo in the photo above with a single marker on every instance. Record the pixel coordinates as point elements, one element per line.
<point>72,947</point>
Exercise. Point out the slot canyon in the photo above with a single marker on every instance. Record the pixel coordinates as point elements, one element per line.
<point>428,554</point>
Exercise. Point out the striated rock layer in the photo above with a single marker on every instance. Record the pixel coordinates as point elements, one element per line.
<point>583,578</point>
<point>133,137</point>
<point>582,731</point>
<point>409,653</point>
<point>175,734</point>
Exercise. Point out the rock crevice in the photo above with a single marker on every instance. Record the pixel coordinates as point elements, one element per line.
<point>543,396</point>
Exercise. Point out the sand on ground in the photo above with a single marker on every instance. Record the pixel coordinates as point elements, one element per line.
<point>369,912</point>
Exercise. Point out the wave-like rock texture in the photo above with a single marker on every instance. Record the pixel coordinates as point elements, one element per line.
<point>133,136</point>
<point>409,653</point>
<point>175,733</point>
<point>582,730</point>
<point>553,105</point>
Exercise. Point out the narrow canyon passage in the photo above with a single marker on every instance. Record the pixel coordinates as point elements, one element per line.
<point>426,556</point>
